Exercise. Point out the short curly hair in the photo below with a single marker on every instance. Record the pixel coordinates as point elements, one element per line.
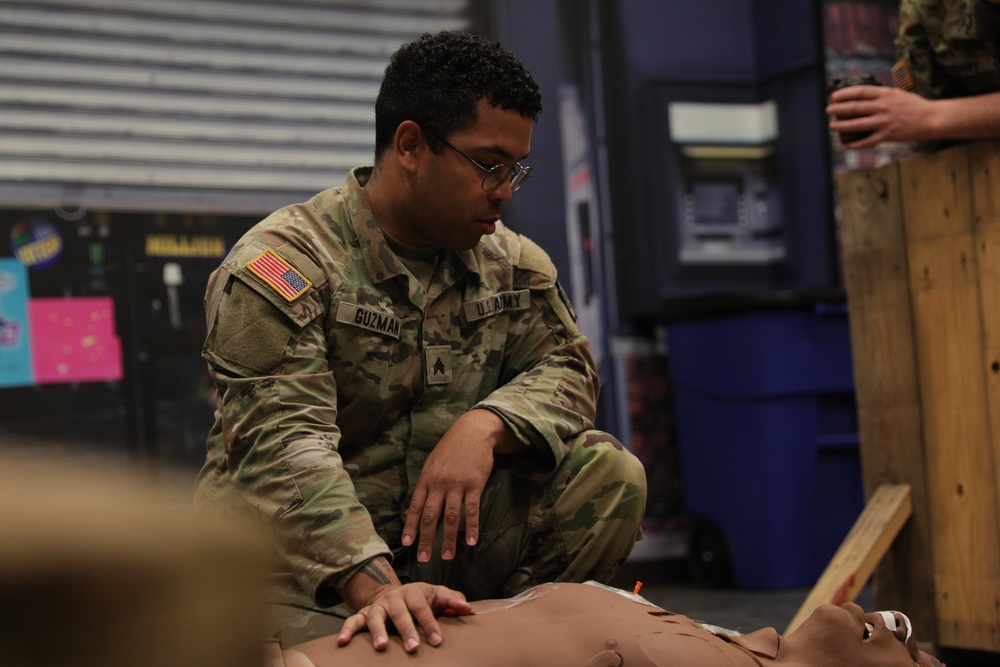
<point>437,81</point>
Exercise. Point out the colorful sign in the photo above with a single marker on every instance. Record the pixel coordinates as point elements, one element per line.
<point>74,340</point>
<point>36,242</point>
<point>195,246</point>
<point>15,341</point>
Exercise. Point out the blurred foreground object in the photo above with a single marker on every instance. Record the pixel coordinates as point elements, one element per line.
<point>95,571</point>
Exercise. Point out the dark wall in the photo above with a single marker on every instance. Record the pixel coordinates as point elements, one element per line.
<point>551,37</point>
<point>532,30</point>
<point>787,36</point>
<point>708,40</point>
<point>762,49</point>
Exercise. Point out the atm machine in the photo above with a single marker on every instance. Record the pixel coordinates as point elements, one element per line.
<point>739,192</point>
<point>729,211</point>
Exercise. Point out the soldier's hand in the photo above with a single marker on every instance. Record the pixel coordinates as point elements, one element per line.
<point>451,483</point>
<point>406,606</point>
<point>881,113</point>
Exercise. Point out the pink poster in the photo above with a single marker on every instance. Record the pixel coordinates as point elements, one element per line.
<point>74,340</point>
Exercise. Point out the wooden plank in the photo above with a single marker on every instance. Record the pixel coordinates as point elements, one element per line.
<point>985,168</point>
<point>865,545</point>
<point>948,327</point>
<point>876,279</point>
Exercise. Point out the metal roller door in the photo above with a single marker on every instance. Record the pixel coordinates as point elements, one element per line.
<point>235,106</point>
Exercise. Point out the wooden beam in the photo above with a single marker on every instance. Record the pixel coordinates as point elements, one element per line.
<point>860,552</point>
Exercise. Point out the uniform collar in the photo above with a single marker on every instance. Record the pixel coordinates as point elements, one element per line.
<point>381,262</point>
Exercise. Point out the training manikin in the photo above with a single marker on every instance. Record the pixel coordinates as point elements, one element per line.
<point>593,626</point>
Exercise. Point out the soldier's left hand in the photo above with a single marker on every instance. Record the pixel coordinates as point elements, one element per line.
<point>451,483</point>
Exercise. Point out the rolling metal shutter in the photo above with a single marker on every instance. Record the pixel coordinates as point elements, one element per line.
<point>236,106</point>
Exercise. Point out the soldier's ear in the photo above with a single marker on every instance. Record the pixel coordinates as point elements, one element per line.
<point>409,145</point>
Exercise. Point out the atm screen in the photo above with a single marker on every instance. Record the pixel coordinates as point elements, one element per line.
<point>716,201</point>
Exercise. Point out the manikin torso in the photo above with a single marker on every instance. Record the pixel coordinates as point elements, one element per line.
<point>581,625</point>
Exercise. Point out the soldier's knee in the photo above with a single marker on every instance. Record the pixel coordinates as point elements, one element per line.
<point>603,452</point>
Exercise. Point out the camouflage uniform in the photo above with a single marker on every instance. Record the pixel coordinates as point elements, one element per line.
<point>338,373</point>
<point>948,48</point>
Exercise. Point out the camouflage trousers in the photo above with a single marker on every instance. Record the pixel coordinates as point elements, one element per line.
<point>579,524</point>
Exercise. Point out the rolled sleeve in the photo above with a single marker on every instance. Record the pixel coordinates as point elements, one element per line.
<point>553,394</point>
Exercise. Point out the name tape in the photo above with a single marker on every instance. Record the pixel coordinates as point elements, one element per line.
<point>370,319</point>
<point>498,303</point>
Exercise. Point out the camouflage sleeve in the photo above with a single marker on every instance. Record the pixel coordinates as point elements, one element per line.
<point>553,387</point>
<point>278,409</point>
<point>917,68</point>
<point>916,59</point>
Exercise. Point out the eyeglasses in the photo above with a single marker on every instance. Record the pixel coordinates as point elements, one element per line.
<point>495,175</point>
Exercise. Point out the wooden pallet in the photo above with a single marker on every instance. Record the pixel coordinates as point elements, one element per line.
<point>921,260</point>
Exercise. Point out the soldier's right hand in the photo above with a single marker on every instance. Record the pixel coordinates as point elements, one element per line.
<point>880,113</point>
<point>451,482</point>
<point>406,605</point>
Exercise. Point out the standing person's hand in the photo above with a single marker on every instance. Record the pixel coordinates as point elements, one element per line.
<point>879,113</point>
<point>452,480</point>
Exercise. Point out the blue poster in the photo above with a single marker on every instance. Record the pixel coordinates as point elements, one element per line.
<point>15,348</point>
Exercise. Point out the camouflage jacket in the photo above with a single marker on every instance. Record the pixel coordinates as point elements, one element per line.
<point>948,48</point>
<point>337,373</point>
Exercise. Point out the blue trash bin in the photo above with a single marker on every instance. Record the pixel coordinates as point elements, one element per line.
<point>767,435</point>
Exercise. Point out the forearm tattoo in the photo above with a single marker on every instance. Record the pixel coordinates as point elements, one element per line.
<point>378,570</point>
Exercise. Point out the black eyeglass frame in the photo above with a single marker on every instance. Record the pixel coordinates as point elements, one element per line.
<point>516,174</point>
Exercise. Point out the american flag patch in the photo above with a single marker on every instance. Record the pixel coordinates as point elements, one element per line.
<point>901,76</point>
<point>280,275</point>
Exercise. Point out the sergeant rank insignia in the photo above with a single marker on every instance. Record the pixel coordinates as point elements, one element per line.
<point>438,364</point>
<point>280,275</point>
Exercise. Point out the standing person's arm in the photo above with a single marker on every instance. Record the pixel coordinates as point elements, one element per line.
<point>890,114</point>
<point>927,104</point>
